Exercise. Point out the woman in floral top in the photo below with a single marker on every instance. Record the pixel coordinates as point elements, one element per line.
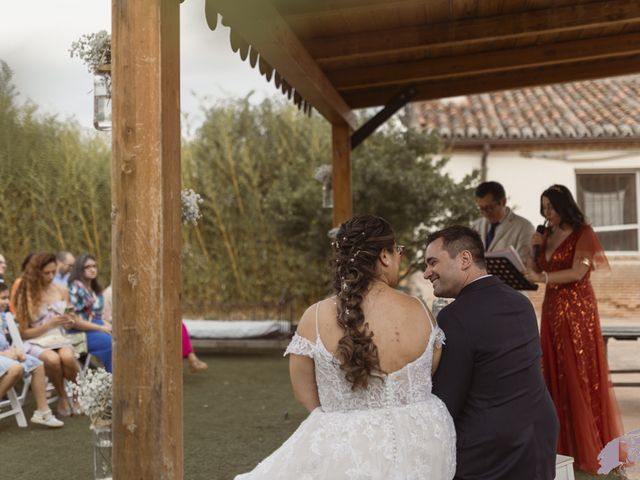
<point>85,295</point>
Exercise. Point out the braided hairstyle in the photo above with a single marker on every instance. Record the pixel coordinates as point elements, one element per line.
<point>358,244</point>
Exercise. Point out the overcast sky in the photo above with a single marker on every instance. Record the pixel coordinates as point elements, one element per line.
<point>35,36</point>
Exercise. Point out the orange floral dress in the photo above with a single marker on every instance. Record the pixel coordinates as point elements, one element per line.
<point>574,362</point>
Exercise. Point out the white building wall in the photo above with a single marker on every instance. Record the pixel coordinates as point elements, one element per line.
<point>526,176</point>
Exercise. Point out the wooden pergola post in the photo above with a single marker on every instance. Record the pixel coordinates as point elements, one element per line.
<point>341,173</point>
<point>146,240</point>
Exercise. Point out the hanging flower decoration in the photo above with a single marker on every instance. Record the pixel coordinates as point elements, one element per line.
<point>190,207</point>
<point>94,49</point>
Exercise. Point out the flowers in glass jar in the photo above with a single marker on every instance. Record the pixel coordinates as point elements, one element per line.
<point>93,391</point>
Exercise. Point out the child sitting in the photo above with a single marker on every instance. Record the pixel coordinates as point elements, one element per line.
<point>14,363</point>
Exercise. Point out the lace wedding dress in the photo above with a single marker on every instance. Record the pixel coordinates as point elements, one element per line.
<point>396,429</point>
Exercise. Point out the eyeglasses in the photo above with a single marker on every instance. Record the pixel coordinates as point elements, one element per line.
<point>488,208</point>
<point>400,249</point>
<point>87,267</point>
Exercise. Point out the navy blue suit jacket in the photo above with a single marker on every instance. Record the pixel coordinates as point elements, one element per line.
<point>490,378</point>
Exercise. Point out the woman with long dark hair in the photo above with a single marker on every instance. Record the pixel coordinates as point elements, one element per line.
<point>361,363</point>
<point>85,296</point>
<point>42,318</point>
<point>574,363</point>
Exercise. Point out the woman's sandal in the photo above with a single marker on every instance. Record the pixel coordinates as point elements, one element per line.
<point>64,412</point>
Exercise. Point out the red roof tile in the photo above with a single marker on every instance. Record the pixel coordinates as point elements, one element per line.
<point>607,109</point>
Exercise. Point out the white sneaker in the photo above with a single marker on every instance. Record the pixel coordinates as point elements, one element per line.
<point>46,418</point>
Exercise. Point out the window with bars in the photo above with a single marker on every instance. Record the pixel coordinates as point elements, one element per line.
<point>610,203</point>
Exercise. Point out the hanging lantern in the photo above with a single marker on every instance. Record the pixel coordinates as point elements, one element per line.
<point>327,195</point>
<point>102,101</point>
<point>323,175</point>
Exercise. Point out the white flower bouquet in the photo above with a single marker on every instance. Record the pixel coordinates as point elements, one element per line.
<point>93,391</point>
<point>94,49</point>
<point>190,206</point>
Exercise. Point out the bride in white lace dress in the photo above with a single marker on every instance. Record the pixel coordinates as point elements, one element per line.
<point>361,363</point>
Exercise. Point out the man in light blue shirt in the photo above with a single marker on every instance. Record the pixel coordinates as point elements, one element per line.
<point>64,262</point>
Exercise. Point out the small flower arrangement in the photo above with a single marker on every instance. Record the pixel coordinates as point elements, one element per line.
<point>323,173</point>
<point>190,207</point>
<point>94,49</point>
<point>93,390</point>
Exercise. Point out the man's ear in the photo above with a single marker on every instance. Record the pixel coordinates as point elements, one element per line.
<point>466,259</point>
<point>503,202</point>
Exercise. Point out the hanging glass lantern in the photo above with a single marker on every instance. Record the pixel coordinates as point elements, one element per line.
<point>102,101</point>
<point>327,195</point>
<point>323,175</point>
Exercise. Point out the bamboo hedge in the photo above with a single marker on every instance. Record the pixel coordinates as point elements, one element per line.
<point>261,248</point>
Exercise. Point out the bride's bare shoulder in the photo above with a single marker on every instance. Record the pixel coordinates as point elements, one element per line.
<point>307,324</point>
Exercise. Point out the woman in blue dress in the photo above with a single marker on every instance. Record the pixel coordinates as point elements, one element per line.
<point>85,296</point>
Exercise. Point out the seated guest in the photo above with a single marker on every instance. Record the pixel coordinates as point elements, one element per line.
<point>14,363</point>
<point>16,283</point>
<point>85,296</point>
<point>41,311</point>
<point>3,268</point>
<point>107,311</point>
<point>64,262</point>
<point>195,364</point>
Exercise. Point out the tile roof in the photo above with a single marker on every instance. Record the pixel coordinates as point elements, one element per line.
<point>594,110</point>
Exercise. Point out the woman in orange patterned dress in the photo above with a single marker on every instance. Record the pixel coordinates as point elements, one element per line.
<point>574,362</point>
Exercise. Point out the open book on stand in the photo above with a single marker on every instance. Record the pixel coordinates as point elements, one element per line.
<point>508,266</point>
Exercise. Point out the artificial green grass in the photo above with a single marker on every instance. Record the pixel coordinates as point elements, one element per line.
<point>235,414</point>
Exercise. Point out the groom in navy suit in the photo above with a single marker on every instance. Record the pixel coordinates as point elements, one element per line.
<point>490,375</point>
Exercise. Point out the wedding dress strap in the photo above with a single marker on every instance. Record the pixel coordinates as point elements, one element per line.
<point>317,323</point>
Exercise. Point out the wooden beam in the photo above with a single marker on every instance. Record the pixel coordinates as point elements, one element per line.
<point>303,11</point>
<point>473,31</point>
<point>482,83</point>
<point>392,106</point>
<point>486,62</point>
<point>146,237</point>
<point>341,173</point>
<point>260,24</point>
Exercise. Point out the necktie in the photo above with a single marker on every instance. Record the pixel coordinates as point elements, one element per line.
<point>490,234</point>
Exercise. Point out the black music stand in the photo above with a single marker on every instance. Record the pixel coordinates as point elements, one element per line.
<point>506,271</point>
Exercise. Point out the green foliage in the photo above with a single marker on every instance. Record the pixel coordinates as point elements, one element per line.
<point>264,230</point>
<point>251,165</point>
<point>395,176</point>
<point>55,189</point>
<point>263,234</point>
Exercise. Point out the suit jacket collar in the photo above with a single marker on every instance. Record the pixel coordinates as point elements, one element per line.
<point>479,285</point>
<point>503,227</point>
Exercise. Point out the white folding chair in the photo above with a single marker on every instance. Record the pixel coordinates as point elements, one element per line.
<point>13,404</point>
<point>16,341</point>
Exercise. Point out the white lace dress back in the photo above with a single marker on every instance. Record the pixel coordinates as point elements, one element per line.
<point>395,429</point>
